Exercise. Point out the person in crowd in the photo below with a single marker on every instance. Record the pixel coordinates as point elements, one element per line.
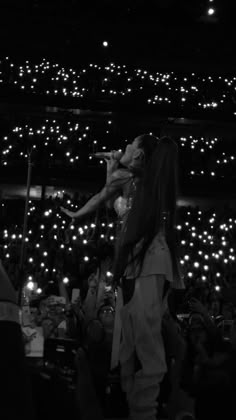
<point>214,305</point>
<point>144,194</point>
<point>206,371</point>
<point>86,397</point>
<point>16,398</point>
<point>179,404</point>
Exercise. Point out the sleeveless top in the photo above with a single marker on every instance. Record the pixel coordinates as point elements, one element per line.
<point>127,184</point>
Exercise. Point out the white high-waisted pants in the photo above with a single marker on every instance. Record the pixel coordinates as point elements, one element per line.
<point>141,322</point>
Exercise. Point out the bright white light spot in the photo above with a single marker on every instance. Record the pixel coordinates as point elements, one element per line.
<point>109,274</point>
<point>211,11</point>
<point>30,285</point>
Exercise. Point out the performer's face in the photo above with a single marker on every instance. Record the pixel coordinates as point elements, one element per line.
<point>130,151</point>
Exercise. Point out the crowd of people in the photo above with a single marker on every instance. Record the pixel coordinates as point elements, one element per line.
<point>175,307</point>
<point>199,334</point>
<point>112,82</point>
<point>200,354</point>
<point>66,248</point>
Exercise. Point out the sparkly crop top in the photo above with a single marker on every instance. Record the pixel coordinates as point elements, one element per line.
<point>123,204</point>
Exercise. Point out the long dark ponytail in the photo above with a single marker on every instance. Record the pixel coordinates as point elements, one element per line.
<point>154,205</point>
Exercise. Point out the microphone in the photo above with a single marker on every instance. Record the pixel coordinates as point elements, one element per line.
<point>115,154</point>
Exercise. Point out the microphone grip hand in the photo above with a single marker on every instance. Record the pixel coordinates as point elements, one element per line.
<point>112,165</point>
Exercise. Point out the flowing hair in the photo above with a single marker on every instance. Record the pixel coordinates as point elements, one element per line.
<point>154,207</point>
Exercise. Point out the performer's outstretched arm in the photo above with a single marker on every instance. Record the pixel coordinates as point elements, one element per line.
<point>95,202</point>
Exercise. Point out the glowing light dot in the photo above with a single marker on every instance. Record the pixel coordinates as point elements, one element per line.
<point>105,43</point>
<point>30,285</point>
<point>65,280</point>
<point>211,11</point>
<point>109,274</point>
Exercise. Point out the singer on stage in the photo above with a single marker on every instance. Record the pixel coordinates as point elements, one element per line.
<point>144,195</point>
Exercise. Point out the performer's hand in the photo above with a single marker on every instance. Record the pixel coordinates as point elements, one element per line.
<point>112,165</point>
<point>68,212</point>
